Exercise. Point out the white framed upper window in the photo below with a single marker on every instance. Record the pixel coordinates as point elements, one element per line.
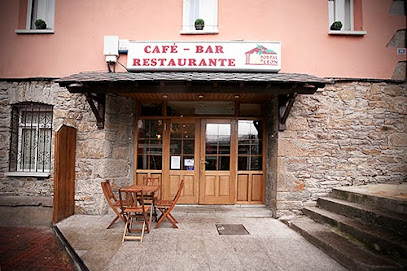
<point>39,10</point>
<point>200,9</point>
<point>349,14</point>
<point>341,10</point>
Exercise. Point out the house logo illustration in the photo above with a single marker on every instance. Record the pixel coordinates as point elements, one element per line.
<point>261,56</point>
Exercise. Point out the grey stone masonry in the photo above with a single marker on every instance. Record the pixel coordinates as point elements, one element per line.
<point>100,153</point>
<point>349,133</point>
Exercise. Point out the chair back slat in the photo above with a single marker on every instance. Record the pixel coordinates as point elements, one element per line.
<point>151,180</point>
<point>131,199</point>
<point>177,196</point>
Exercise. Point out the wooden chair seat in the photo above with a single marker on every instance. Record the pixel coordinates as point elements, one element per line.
<point>163,203</point>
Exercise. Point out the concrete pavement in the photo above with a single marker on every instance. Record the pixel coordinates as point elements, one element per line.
<point>196,244</point>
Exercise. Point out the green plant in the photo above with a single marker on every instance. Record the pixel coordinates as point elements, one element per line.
<point>199,22</point>
<point>337,25</point>
<point>40,24</point>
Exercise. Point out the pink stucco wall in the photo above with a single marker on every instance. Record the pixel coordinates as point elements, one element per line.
<point>301,26</point>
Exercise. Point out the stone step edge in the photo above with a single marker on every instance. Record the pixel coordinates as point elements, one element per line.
<point>375,238</point>
<point>380,202</point>
<point>78,262</point>
<point>368,214</point>
<point>359,260</point>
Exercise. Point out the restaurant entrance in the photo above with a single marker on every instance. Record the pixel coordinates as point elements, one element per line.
<point>220,158</point>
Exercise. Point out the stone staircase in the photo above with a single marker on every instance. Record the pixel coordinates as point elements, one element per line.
<point>361,231</point>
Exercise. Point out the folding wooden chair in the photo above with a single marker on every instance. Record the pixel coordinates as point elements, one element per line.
<point>166,206</point>
<point>154,196</point>
<point>135,212</point>
<point>112,200</point>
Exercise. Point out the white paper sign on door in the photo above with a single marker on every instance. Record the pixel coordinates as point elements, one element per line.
<point>175,162</point>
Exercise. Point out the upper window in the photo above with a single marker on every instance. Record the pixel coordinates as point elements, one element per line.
<point>31,133</point>
<point>345,16</point>
<point>342,11</point>
<point>207,10</point>
<point>36,16</point>
<point>40,10</point>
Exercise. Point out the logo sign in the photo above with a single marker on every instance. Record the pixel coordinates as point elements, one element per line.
<point>204,56</point>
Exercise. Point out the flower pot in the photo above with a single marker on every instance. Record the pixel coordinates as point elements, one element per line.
<point>199,27</point>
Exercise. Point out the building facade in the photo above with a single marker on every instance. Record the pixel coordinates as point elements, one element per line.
<point>265,105</point>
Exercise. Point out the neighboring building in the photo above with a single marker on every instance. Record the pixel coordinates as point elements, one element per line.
<point>265,105</point>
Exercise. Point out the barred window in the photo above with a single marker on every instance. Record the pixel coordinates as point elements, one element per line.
<point>31,134</point>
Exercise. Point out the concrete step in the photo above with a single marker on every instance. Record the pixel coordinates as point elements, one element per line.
<point>377,239</point>
<point>341,249</point>
<point>389,220</point>
<point>383,196</point>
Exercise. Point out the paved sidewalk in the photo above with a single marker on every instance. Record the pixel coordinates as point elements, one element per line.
<point>196,244</point>
<point>32,248</point>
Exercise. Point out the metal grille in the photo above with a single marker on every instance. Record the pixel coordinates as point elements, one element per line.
<point>31,137</point>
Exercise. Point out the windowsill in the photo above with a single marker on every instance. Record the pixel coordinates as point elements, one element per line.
<point>199,32</point>
<point>35,31</point>
<point>27,174</point>
<point>347,33</point>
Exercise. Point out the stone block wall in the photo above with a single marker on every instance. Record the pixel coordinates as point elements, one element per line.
<point>349,133</point>
<point>100,154</point>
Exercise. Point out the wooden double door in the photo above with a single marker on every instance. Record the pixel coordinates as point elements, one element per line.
<point>202,152</point>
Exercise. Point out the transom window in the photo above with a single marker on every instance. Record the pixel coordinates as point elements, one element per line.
<point>31,135</point>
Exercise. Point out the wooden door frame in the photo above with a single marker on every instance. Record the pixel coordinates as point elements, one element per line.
<point>233,156</point>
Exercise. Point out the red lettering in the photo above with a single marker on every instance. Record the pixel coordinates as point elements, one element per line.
<point>219,49</point>
<point>146,62</point>
<point>209,50</point>
<point>147,49</point>
<point>156,50</point>
<point>182,61</point>
<point>165,48</point>
<point>171,63</point>
<point>212,62</point>
<point>136,62</point>
<point>161,61</point>
<point>202,63</point>
<point>174,49</point>
<point>231,62</point>
<point>192,62</point>
<point>199,49</point>
<point>222,61</point>
<point>154,62</point>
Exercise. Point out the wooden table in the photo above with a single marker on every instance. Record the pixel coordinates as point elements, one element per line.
<point>149,190</point>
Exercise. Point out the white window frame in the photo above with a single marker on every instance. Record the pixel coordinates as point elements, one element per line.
<point>46,12</point>
<point>207,10</point>
<point>342,10</point>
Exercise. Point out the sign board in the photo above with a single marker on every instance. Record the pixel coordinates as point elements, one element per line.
<point>204,56</point>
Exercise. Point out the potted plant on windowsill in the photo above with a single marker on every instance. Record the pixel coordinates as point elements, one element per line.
<point>337,26</point>
<point>40,24</point>
<point>199,24</point>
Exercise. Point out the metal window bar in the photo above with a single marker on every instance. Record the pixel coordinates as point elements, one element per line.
<point>27,132</point>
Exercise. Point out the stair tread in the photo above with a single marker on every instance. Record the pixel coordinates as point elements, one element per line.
<point>377,211</point>
<point>365,227</point>
<point>348,250</point>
